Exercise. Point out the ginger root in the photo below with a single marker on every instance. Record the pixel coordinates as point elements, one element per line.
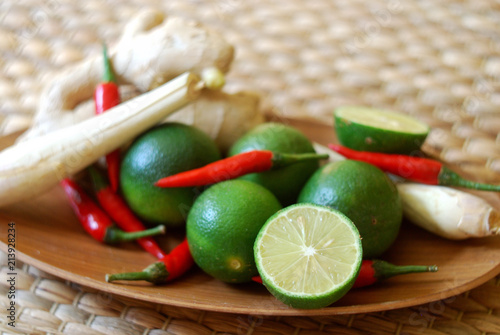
<point>224,117</point>
<point>152,50</point>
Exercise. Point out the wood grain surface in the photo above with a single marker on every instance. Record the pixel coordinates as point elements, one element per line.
<point>49,237</point>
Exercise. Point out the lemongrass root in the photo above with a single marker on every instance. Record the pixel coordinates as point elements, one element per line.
<point>448,212</point>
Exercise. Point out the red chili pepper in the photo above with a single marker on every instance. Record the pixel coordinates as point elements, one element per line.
<point>234,167</point>
<point>373,271</point>
<point>106,96</point>
<point>257,279</point>
<point>116,207</point>
<point>95,221</point>
<point>419,169</point>
<point>173,265</point>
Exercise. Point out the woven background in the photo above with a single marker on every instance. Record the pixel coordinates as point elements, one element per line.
<point>436,60</point>
<point>50,305</point>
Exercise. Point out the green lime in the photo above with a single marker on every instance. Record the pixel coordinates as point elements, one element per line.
<point>370,129</point>
<point>365,194</point>
<point>308,256</point>
<point>162,151</point>
<point>222,226</point>
<point>285,183</point>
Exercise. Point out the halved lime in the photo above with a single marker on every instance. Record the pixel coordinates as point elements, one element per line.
<point>308,256</point>
<point>371,129</point>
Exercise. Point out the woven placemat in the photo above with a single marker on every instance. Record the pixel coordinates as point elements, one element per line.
<point>49,305</point>
<point>438,61</point>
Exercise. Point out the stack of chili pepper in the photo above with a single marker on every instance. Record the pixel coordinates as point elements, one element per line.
<point>100,226</point>
<point>169,266</point>
<point>99,222</point>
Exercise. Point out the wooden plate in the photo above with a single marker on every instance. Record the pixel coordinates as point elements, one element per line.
<point>49,237</point>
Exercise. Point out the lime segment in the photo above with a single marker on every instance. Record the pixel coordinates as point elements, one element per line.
<point>308,256</point>
<point>370,129</point>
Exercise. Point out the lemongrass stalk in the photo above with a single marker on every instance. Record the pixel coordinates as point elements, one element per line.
<point>32,167</point>
<point>448,212</point>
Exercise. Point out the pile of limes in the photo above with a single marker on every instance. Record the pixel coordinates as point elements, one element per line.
<point>303,228</point>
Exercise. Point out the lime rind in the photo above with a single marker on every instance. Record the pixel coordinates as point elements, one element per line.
<point>305,275</point>
<point>379,118</point>
<point>222,226</point>
<point>365,194</point>
<point>371,129</point>
<point>163,150</point>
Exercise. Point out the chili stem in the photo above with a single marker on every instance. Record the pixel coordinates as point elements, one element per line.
<point>109,76</point>
<point>173,265</point>
<point>384,270</point>
<point>373,271</point>
<point>281,159</point>
<point>155,273</point>
<point>114,235</point>
<point>448,177</point>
